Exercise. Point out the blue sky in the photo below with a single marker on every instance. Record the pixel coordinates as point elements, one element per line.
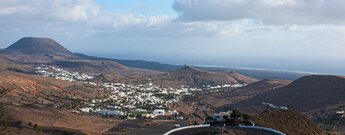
<point>145,7</point>
<point>300,35</point>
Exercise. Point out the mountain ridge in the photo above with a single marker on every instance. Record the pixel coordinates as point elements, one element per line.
<point>306,94</point>
<point>151,65</point>
<point>34,51</point>
<point>193,76</point>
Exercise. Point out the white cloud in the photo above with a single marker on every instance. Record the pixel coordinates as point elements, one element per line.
<point>269,11</point>
<point>53,10</point>
<point>72,11</point>
<point>201,18</point>
<point>224,28</point>
<point>86,12</point>
<point>117,20</point>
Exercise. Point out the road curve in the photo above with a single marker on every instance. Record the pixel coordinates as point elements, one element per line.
<point>200,128</point>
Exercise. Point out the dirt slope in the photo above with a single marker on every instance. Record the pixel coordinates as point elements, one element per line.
<point>309,93</point>
<point>288,121</point>
<point>192,76</point>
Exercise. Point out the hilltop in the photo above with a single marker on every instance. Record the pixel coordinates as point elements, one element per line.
<point>36,46</point>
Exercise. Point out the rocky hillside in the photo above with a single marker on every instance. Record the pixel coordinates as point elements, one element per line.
<point>288,121</point>
<point>309,93</point>
<point>227,97</point>
<point>192,76</point>
<point>42,91</point>
<point>150,65</point>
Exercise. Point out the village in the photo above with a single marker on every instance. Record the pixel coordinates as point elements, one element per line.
<point>127,100</point>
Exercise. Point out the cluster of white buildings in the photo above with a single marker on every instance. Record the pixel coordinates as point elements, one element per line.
<point>208,87</point>
<point>129,98</point>
<point>61,74</point>
<point>125,98</point>
<point>148,93</point>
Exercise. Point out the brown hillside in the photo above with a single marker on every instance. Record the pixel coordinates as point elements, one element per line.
<point>192,76</point>
<point>228,97</point>
<point>209,103</point>
<point>315,92</point>
<point>288,121</point>
<point>43,91</point>
<point>97,67</point>
<point>59,119</point>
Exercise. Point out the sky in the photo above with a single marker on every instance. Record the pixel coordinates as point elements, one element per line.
<point>298,35</point>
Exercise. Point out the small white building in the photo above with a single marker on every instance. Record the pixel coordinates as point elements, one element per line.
<point>222,116</point>
<point>85,109</point>
<point>109,112</point>
<point>158,112</point>
<point>339,112</point>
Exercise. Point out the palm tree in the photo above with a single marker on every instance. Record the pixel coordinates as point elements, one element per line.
<point>236,115</point>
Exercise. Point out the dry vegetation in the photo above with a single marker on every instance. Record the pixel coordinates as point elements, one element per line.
<point>289,122</point>
<point>60,119</point>
<point>194,77</point>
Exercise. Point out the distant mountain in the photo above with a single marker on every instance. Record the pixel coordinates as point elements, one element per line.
<point>257,74</point>
<point>309,93</point>
<point>35,51</point>
<point>193,76</point>
<point>36,46</point>
<point>137,63</point>
<point>263,73</point>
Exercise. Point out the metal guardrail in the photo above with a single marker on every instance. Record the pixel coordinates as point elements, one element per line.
<point>186,127</point>
<point>263,128</point>
<point>240,126</point>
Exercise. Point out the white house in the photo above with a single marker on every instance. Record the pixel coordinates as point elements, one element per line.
<point>339,112</point>
<point>85,110</point>
<point>222,116</point>
<point>159,112</point>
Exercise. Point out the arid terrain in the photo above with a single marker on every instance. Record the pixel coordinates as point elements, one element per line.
<point>47,89</point>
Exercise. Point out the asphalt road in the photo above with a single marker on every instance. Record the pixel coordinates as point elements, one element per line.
<point>213,129</point>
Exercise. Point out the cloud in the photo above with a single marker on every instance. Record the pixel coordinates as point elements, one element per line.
<point>86,12</point>
<point>194,18</point>
<point>73,16</point>
<point>277,12</point>
<point>87,18</point>
<point>54,10</point>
